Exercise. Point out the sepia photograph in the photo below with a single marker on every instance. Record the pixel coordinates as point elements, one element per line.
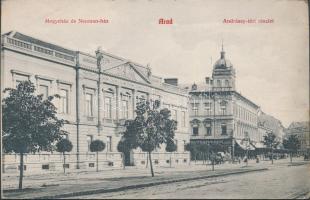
<point>155,99</point>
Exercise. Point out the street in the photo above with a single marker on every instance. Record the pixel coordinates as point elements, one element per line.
<point>277,182</point>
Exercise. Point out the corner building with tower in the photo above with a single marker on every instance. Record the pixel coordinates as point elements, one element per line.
<point>219,114</point>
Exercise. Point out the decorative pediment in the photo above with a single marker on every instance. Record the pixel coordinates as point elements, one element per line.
<point>128,71</point>
<point>195,122</point>
<point>207,122</point>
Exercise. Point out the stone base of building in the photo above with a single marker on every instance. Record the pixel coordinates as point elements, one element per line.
<point>162,159</point>
<point>49,163</point>
<point>53,163</point>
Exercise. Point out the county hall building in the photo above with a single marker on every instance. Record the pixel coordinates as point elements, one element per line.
<point>97,94</point>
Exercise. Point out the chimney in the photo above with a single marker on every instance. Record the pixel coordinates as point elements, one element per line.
<point>171,81</point>
<point>207,80</point>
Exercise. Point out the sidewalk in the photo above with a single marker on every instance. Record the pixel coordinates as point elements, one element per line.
<point>75,184</point>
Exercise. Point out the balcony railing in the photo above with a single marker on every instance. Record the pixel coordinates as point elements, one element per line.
<point>38,49</point>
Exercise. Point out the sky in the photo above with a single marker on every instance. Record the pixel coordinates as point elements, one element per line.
<point>271,59</point>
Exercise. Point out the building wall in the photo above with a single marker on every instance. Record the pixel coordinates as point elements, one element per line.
<point>245,119</point>
<point>120,80</point>
<point>301,129</point>
<point>263,131</point>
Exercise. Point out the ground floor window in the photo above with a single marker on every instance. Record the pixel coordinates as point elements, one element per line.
<point>209,130</point>
<point>224,129</point>
<point>195,130</point>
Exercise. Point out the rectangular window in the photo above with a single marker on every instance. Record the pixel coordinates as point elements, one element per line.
<point>108,108</point>
<point>25,167</point>
<point>219,83</point>
<point>195,108</point>
<point>223,110</point>
<point>66,166</point>
<point>208,109</point>
<point>183,119</point>
<point>209,130</point>
<point>195,130</point>
<point>43,89</point>
<point>45,166</point>
<point>224,129</point>
<point>89,140</point>
<point>19,78</point>
<point>174,115</point>
<point>109,143</point>
<point>63,107</point>
<point>124,109</point>
<point>89,104</point>
<point>223,106</point>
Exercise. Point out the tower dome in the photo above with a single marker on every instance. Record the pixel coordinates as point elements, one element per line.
<point>222,63</point>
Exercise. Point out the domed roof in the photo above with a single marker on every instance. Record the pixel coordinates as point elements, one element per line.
<point>222,63</point>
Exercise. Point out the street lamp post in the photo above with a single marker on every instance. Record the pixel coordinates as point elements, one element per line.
<point>247,140</point>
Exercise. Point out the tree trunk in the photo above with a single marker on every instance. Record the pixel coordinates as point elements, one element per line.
<point>272,156</point>
<point>3,162</point>
<point>247,157</point>
<point>21,171</point>
<point>123,156</point>
<point>291,157</point>
<point>150,159</point>
<point>204,158</point>
<point>212,164</point>
<point>97,169</point>
<point>147,160</point>
<point>170,160</point>
<point>64,165</point>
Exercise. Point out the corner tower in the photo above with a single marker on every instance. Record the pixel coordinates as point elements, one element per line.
<point>223,74</point>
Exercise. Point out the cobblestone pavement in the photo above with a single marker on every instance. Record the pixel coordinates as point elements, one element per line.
<point>281,183</point>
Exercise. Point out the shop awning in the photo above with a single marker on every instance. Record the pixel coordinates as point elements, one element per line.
<point>245,145</point>
<point>259,145</point>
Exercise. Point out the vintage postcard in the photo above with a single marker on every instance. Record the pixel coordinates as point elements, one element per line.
<point>155,99</point>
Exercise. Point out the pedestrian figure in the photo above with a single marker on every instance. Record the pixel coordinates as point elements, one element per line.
<point>257,160</point>
<point>245,159</point>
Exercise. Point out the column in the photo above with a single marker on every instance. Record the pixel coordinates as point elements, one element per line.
<point>118,95</point>
<point>134,101</point>
<point>99,101</point>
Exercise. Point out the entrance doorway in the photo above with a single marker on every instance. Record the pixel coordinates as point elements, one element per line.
<point>129,158</point>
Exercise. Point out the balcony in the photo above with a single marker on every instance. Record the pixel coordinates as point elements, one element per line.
<point>222,89</point>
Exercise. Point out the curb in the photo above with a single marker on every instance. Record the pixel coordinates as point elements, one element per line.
<point>97,191</point>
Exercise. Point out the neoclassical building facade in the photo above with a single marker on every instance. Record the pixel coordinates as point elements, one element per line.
<point>97,94</point>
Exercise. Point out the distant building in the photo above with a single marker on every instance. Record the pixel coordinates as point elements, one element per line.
<point>262,131</point>
<point>301,129</point>
<point>275,125</point>
<point>97,94</point>
<point>220,114</point>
